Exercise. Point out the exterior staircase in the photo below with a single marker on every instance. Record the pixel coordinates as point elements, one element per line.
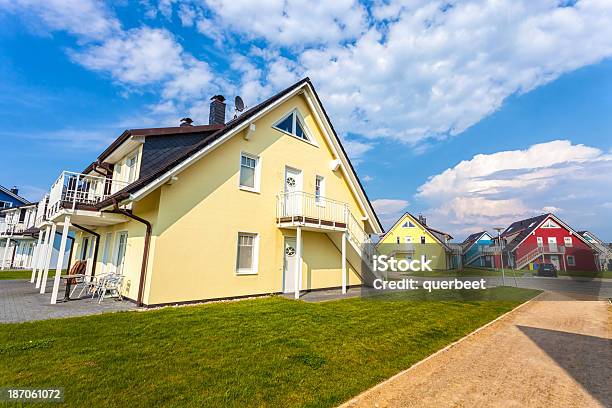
<point>537,252</point>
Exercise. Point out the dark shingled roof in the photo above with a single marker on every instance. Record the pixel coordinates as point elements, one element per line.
<point>165,155</point>
<point>526,227</point>
<point>471,239</point>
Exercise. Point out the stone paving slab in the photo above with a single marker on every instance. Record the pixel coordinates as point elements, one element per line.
<point>20,301</point>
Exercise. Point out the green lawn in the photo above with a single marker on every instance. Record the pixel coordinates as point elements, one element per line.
<point>23,274</point>
<point>269,352</point>
<point>16,274</point>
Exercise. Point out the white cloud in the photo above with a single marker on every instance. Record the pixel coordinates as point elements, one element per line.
<point>355,149</point>
<point>495,189</point>
<point>389,210</point>
<point>139,56</point>
<point>432,69</point>
<point>367,178</point>
<point>88,19</point>
<point>291,23</point>
<point>385,206</point>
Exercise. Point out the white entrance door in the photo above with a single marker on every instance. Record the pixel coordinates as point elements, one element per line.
<point>293,185</point>
<point>289,265</point>
<point>554,259</point>
<point>552,244</point>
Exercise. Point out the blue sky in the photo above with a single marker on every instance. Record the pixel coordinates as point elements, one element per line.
<point>475,113</point>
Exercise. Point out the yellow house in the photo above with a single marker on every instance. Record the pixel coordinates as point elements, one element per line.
<point>267,202</point>
<point>411,237</point>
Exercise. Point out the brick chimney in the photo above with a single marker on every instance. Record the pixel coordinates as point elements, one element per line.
<point>15,190</point>
<point>422,220</point>
<point>217,110</point>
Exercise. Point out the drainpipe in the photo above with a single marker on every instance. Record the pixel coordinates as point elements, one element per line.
<point>145,252</point>
<point>71,239</point>
<point>95,254</point>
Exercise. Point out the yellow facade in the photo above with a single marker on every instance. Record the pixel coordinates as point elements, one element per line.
<point>405,239</point>
<point>197,218</point>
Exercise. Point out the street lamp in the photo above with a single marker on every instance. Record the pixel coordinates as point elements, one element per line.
<point>501,255</point>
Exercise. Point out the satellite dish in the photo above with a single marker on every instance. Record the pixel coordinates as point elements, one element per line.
<point>239,104</point>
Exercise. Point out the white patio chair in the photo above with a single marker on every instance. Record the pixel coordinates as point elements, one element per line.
<point>111,283</point>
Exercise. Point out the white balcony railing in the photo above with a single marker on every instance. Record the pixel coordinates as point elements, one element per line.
<point>72,189</point>
<point>41,211</point>
<point>9,229</point>
<point>534,252</point>
<point>306,207</point>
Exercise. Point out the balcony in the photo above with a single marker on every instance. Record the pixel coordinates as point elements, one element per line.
<point>41,211</point>
<point>305,209</point>
<point>75,191</point>
<point>8,229</point>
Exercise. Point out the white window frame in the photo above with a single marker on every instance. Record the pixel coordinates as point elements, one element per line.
<point>253,270</point>
<point>6,204</point>
<point>107,252</point>
<point>256,188</point>
<point>408,239</point>
<point>568,241</point>
<point>540,241</point>
<point>573,260</point>
<point>297,116</point>
<point>550,224</point>
<point>131,170</point>
<point>117,242</point>
<point>320,199</point>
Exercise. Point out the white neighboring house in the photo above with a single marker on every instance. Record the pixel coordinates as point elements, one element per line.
<point>18,238</point>
<point>605,251</point>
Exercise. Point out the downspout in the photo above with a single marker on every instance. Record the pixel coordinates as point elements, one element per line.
<point>145,252</point>
<point>70,254</point>
<point>95,255</point>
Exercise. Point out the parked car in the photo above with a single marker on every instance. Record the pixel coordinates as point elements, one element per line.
<point>547,269</point>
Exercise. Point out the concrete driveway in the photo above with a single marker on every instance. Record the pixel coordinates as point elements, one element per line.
<point>555,351</point>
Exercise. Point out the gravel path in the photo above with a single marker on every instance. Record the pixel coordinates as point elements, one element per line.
<point>554,352</point>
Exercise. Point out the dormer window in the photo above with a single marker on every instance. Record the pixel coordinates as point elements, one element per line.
<point>293,124</point>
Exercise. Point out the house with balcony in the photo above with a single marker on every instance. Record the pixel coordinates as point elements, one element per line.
<point>479,250</point>
<point>410,238</point>
<point>267,202</point>
<point>604,249</point>
<point>9,197</point>
<point>17,234</point>
<point>547,239</point>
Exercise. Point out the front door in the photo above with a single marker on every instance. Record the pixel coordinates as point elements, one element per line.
<point>289,265</point>
<point>554,259</point>
<point>293,185</point>
<point>552,244</point>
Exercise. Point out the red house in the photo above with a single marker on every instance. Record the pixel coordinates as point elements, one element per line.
<point>547,239</point>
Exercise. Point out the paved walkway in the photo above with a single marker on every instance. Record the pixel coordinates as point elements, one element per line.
<point>553,352</point>
<point>20,301</point>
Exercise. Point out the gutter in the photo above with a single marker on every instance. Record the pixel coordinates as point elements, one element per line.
<point>95,255</point>
<point>145,252</point>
